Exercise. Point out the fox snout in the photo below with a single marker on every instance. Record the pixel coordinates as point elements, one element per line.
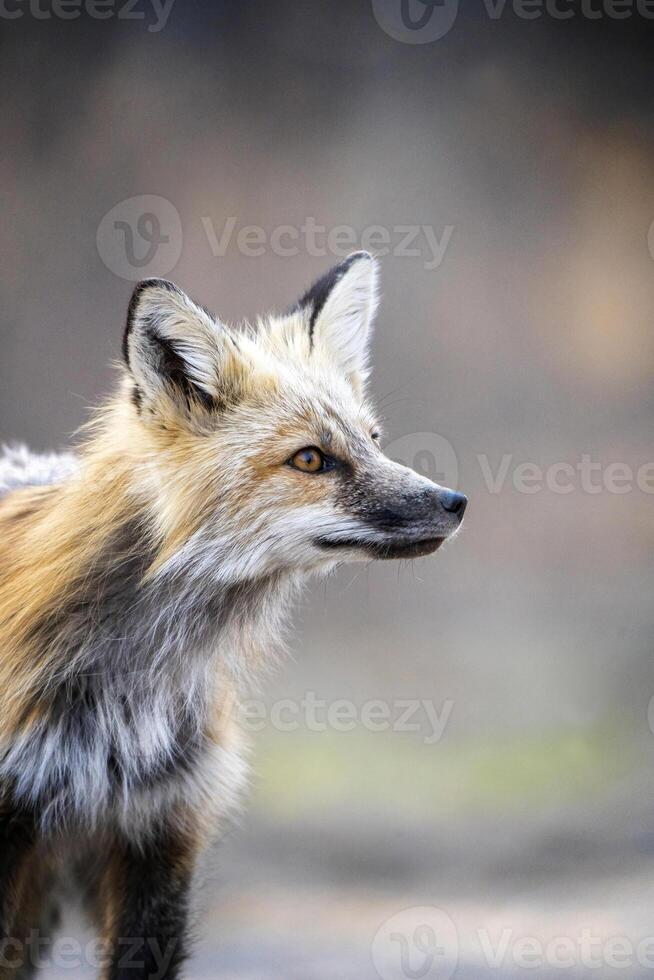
<point>429,505</point>
<point>394,512</point>
<point>452,501</point>
<point>444,510</point>
<point>414,515</point>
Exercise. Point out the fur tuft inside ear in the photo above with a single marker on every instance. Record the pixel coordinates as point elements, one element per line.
<point>341,307</point>
<point>172,346</point>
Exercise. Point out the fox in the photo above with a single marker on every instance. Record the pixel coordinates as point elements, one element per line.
<point>146,580</point>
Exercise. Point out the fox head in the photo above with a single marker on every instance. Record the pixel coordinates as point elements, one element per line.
<point>258,447</point>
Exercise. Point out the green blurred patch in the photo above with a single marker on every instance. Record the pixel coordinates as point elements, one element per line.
<point>303,772</point>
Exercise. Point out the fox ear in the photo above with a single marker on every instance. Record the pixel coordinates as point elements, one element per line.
<point>341,307</point>
<point>173,347</point>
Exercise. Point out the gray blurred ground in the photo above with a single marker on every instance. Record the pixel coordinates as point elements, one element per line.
<point>291,904</point>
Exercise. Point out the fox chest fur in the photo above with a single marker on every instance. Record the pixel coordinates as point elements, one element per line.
<point>126,708</point>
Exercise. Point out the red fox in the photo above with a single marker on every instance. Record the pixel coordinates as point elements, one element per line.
<point>144,579</point>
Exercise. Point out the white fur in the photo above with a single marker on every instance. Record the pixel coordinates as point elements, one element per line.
<point>344,325</point>
<point>21,468</point>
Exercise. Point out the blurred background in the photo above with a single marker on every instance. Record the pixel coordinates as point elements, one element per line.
<point>495,816</point>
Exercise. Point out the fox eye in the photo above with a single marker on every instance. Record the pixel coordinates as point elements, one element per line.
<point>376,436</point>
<point>310,460</point>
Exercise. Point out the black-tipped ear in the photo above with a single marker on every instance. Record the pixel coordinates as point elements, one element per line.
<point>141,288</point>
<point>173,346</point>
<point>341,306</point>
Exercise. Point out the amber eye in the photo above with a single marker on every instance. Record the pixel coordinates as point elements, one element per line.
<point>309,460</point>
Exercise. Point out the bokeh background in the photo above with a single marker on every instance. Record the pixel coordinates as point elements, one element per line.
<point>530,340</point>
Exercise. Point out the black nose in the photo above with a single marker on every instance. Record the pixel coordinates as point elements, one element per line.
<point>453,502</point>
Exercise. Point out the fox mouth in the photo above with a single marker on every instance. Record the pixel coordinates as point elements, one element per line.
<point>384,549</point>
